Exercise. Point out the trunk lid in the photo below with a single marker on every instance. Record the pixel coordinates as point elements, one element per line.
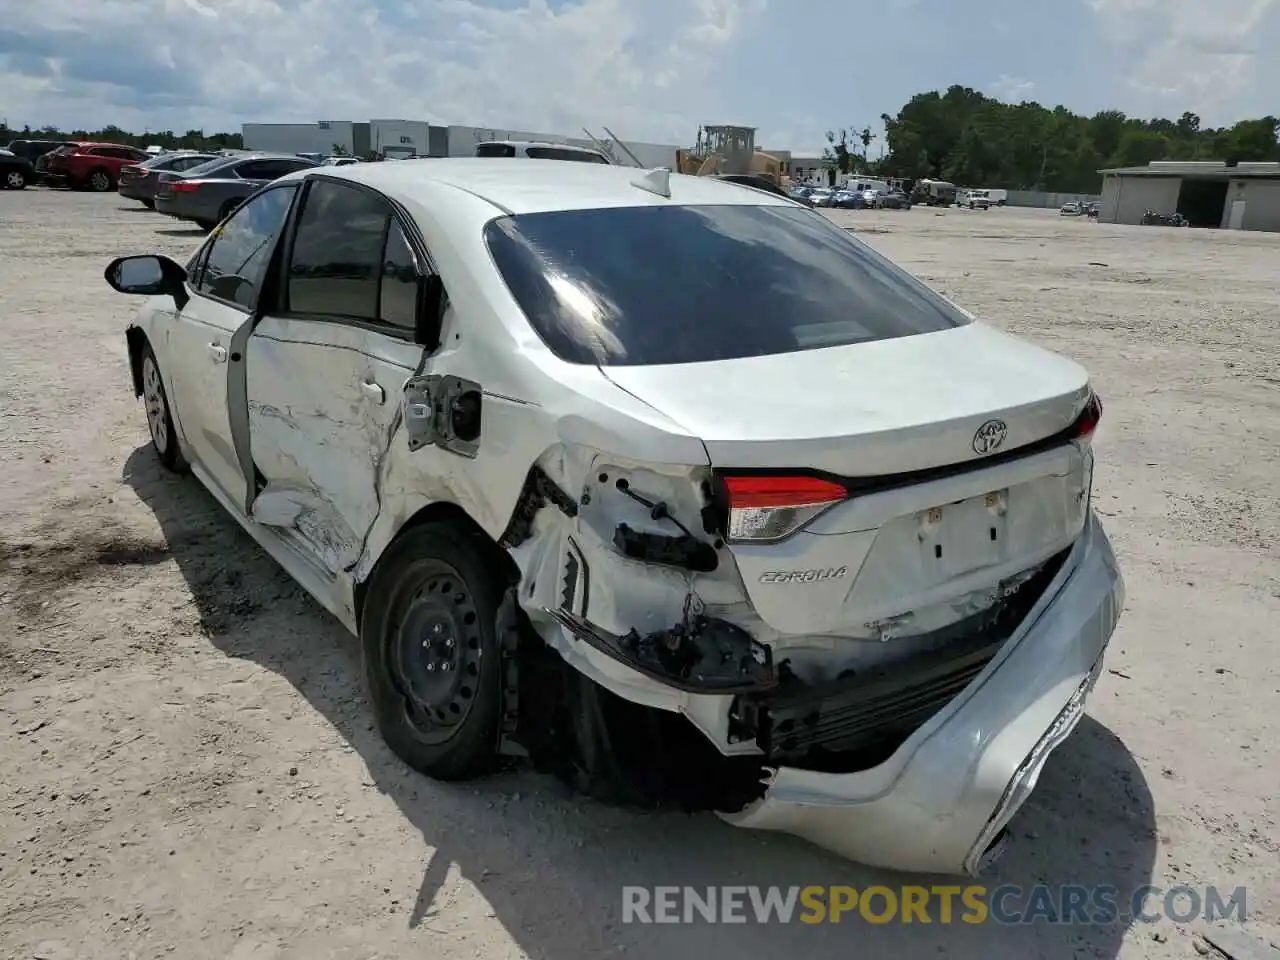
<point>952,449</point>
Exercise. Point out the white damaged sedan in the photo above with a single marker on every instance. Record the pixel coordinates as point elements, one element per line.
<point>667,484</point>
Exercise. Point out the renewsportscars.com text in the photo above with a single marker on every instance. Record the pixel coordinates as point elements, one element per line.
<point>968,904</point>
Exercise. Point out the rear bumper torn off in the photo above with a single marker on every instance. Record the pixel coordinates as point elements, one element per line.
<point>947,793</point>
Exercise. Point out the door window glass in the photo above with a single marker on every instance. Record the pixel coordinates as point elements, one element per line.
<point>241,250</point>
<point>337,260</point>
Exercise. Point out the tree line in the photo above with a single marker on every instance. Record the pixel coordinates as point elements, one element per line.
<point>971,139</point>
<point>168,139</point>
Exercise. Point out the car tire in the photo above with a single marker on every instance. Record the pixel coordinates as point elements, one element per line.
<point>15,180</point>
<point>432,662</point>
<point>155,399</point>
<point>100,181</point>
<point>149,204</point>
<point>204,225</point>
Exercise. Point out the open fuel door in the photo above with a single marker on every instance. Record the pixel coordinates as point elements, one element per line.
<point>443,411</point>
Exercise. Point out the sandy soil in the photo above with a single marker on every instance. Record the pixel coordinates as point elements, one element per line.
<point>188,767</point>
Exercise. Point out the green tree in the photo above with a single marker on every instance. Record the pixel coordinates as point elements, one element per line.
<point>962,135</point>
<point>192,139</point>
<point>837,151</point>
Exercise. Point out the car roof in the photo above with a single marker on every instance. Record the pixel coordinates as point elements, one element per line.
<point>537,186</point>
<point>231,158</point>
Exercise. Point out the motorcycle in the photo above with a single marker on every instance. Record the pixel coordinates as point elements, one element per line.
<point>1153,219</point>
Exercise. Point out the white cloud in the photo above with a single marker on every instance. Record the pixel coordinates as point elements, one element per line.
<point>1214,60</point>
<point>646,68</point>
<point>1012,89</point>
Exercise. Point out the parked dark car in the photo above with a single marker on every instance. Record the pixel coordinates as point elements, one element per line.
<point>206,194</point>
<point>36,151</point>
<point>33,150</point>
<point>15,172</point>
<point>801,194</point>
<point>895,201</point>
<point>139,182</point>
<point>91,166</point>
<point>847,200</point>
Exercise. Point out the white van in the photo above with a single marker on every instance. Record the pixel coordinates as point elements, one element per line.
<point>861,185</point>
<point>539,151</point>
<point>997,197</point>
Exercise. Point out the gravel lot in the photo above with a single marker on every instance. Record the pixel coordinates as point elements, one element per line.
<point>188,767</point>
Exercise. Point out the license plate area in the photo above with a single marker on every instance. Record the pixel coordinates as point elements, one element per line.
<point>957,538</point>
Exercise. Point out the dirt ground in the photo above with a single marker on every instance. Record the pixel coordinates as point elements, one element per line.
<point>188,767</point>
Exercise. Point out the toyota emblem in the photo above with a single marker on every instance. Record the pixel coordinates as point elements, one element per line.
<point>990,436</point>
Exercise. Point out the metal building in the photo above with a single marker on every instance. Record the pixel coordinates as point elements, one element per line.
<point>398,139</point>
<point>1235,196</point>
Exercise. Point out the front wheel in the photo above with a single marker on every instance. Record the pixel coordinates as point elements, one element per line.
<point>100,181</point>
<point>430,651</point>
<point>15,180</point>
<point>159,417</point>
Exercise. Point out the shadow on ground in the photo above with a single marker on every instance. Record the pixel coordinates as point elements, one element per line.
<point>552,865</point>
<point>183,232</point>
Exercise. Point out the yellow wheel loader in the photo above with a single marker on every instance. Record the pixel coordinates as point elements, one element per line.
<point>725,149</point>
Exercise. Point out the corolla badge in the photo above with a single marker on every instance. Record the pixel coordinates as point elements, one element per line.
<point>990,436</point>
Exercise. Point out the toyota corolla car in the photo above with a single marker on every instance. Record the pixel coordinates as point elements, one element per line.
<point>669,485</point>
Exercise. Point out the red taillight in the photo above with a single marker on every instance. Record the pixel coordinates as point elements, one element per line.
<point>764,509</point>
<point>1089,418</point>
<point>183,186</point>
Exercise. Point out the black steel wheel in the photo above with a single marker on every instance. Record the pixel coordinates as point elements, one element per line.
<point>430,651</point>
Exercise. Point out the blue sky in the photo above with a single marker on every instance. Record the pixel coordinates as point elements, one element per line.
<point>649,69</point>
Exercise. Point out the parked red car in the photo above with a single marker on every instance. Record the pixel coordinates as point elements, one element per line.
<point>95,166</point>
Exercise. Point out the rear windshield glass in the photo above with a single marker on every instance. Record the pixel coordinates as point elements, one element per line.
<point>164,161</point>
<point>682,284</point>
<point>202,169</point>
<point>560,153</point>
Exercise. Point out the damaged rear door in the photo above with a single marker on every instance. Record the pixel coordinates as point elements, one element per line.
<point>327,370</point>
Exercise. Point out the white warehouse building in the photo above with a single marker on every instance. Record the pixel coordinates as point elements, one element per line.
<point>421,138</point>
<point>1240,196</point>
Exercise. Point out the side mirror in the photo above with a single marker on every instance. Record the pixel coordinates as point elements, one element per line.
<point>431,304</point>
<point>148,276</point>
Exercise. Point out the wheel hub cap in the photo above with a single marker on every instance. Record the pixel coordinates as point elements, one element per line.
<point>437,653</point>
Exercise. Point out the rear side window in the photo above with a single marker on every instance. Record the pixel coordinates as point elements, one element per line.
<point>208,167</point>
<point>685,284</point>
<point>557,153</point>
<point>495,150</point>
